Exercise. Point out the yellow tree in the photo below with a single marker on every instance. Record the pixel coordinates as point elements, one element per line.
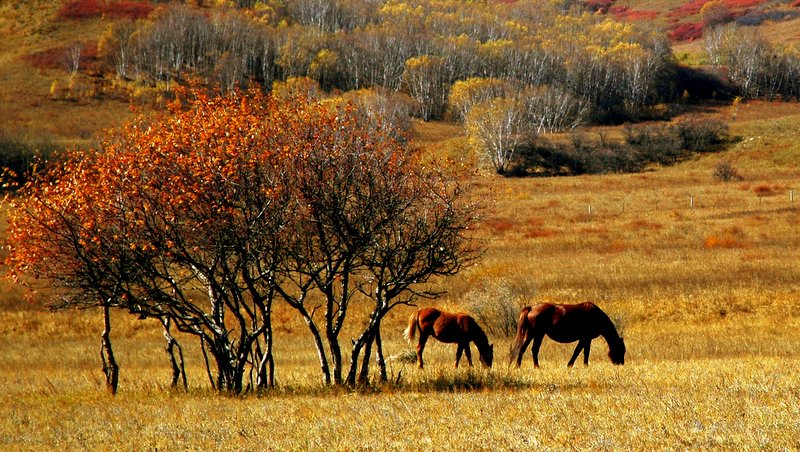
<point>496,128</point>
<point>464,94</point>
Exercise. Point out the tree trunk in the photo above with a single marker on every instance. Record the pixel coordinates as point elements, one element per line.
<point>336,357</point>
<point>363,376</point>
<point>323,360</point>
<point>110,366</point>
<point>379,354</point>
<point>178,368</point>
<point>266,366</point>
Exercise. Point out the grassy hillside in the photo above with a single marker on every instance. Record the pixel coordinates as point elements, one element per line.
<point>699,275</point>
<point>33,77</point>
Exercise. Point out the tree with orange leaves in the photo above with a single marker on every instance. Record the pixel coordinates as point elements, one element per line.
<point>204,217</point>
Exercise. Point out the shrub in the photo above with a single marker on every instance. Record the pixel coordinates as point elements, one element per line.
<point>725,172</point>
<point>756,18</point>
<point>701,135</point>
<point>58,57</point>
<point>654,142</point>
<point>642,144</point>
<point>688,9</point>
<point>80,9</point>
<point>687,32</point>
<point>129,10</point>
<point>495,307</point>
<point>624,12</point>
<point>87,9</point>
<point>765,190</point>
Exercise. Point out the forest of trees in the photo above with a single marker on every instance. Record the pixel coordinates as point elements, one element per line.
<point>419,48</point>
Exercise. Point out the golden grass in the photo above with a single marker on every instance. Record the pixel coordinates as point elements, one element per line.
<point>712,329</point>
<point>713,387</point>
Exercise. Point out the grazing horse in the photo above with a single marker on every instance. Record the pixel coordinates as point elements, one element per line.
<point>449,328</point>
<point>566,323</point>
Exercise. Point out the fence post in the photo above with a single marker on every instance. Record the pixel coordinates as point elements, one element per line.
<point>691,202</point>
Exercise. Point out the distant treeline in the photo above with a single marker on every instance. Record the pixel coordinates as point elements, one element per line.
<point>608,70</point>
<point>755,67</point>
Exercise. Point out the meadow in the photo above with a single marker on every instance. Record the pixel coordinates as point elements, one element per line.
<point>700,277</point>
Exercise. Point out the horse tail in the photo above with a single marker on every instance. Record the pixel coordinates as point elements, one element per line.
<point>411,329</point>
<point>522,330</point>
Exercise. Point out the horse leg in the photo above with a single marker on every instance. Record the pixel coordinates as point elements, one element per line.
<point>458,353</point>
<point>537,342</point>
<point>528,339</point>
<point>586,352</point>
<point>420,348</point>
<point>581,346</point>
<point>468,354</point>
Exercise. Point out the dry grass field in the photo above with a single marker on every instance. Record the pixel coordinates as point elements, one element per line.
<point>701,277</point>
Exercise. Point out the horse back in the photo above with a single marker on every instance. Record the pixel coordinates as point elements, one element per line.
<point>571,322</point>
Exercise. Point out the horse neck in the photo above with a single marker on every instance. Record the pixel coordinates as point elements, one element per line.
<point>480,340</point>
<point>608,330</point>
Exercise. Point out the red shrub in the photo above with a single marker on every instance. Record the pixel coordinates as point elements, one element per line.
<point>623,12</point>
<point>52,58</point>
<point>126,9</point>
<point>687,32</point>
<point>80,9</point>
<point>86,9</point>
<point>500,225</point>
<point>689,9</point>
<point>55,57</point>
<point>765,190</point>
<point>796,4</point>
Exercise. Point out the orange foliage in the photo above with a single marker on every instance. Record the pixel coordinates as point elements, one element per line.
<point>729,239</point>
<point>499,226</point>
<point>645,224</point>
<point>764,190</point>
<point>540,233</point>
<point>158,183</point>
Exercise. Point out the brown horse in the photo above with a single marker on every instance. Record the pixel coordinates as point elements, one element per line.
<point>566,323</point>
<point>449,328</point>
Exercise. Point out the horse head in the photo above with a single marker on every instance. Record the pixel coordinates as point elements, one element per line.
<point>487,356</point>
<point>616,351</point>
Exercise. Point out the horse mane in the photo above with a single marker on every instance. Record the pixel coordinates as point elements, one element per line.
<point>480,335</point>
<point>610,330</point>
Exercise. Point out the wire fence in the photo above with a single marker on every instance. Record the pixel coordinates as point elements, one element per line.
<point>764,202</point>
